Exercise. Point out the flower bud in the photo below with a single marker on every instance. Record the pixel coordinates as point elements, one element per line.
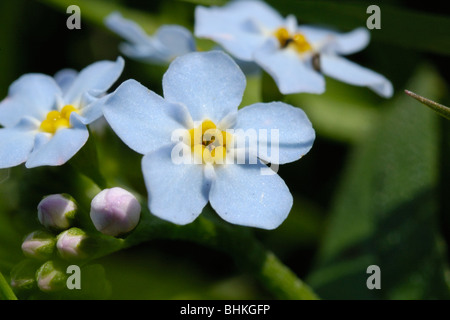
<point>23,275</point>
<point>39,245</point>
<point>69,244</point>
<point>51,277</point>
<point>115,211</point>
<point>57,211</point>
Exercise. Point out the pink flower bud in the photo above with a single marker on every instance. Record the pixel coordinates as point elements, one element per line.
<point>39,245</point>
<point>69,244</point>
<point>115,211</point>
<point>51,277</point>
<point>57,211</point>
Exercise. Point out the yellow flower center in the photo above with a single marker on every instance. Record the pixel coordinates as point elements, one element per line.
<point>298,41</point>
<point>209,143</point>
<point>57,119</point>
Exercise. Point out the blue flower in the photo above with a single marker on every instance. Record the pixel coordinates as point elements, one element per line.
<point>44,118</point>
<point>198,117</point>
<point>169,41</point>
<point>295,56</point>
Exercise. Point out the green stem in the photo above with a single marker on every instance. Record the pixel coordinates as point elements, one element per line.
<point>86,162</point>
<point>237,242</point>
<point>439,108</point>
<point>6,293</point>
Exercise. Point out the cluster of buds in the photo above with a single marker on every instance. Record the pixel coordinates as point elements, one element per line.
<point>49,249</point>
<point>114,212</point>
<point>57,213</point>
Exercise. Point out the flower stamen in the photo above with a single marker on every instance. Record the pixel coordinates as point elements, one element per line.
<point>298,41</point>
<point>57,119</point>
<point>209,143</point>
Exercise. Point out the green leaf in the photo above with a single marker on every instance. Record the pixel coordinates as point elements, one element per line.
<point>269,89</point>
<point>86,162</point>
<point>6,292</point>
<point>96,10</point>
<point>10,16</point>
<point>385,211</point>
<point>343,113</point>
<point>439,108</point>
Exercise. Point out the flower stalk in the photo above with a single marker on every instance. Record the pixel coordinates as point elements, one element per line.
<point>86,162</point>
<point>252,257</point>
<point>6,293</point>
<point>439,108</point>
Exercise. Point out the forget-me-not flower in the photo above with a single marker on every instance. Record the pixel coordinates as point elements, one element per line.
<point>202,92</point>
<point>44,118</point>
<point>295,56</point>
<point>168,42</point>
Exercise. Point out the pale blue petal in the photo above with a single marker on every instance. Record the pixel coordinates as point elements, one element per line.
<point>126,28</point>
<point>290,72</point>
<point>239,27</point>
<point>31,95</point>
<point>141,118</point>
<point>58,149</point>
<point>16,144</point>
<point>257,10</point>
<point>317,35</point>
<point>169,42</point>
<point>291,23</point>
<point>249,68</point>
<point>294,132</point>
<point>160,49</point>
<point>97,77</point>
<point>143,52</point>
<point>93,110</point>
<point>241,195</point>
<point>210,84</point>
<point>176,192</point>
<point>176,41</point>
<point>328,40</point>
<point>64,78</point>
<point>352,73</point>
<point>351,42</point>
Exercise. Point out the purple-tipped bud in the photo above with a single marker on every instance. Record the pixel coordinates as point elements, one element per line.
<point>115,211</point>
<point>69,244</point>
<point>51,277</point>
<point>39,245</point>
<point>57,211</point>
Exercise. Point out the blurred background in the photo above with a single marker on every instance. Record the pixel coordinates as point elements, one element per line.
<point>372,191</point>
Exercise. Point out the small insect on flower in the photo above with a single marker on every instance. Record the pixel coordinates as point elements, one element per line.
<point>168,42</point>
<point>44,118</point>
<point>199,118</point>
<point>295,56</point>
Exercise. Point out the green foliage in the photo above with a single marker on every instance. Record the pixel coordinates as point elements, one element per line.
<point>386,210</point>
<point>437,107</point>
<point>6,293</point>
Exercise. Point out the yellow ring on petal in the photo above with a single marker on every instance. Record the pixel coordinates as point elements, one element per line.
<point>298,41</point>
<point>56,120</point>
<point>209,143</point>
